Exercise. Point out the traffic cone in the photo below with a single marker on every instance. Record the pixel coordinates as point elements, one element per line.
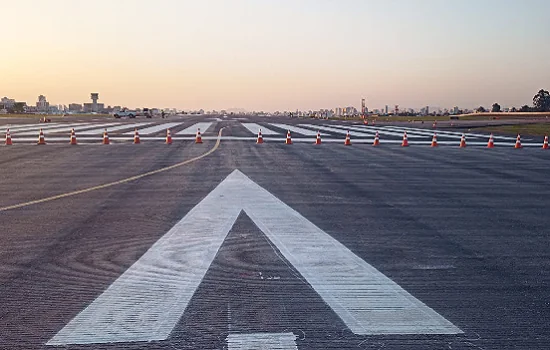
<point>544,145</point>
<point>366,122</point>
<point>288,140</point>
<point>41,140</point>
<point>260,137</point>
<point>376,140</point>
<point>168,137</point>
<point>8,138</point>
<point>318,139</point>
<point>106,138</point>
<point>73,137</point>
<point>434,140</point>
<point>491,143</point>
<point>463,141</point>
<point>198,138</point>
<point>136,137</point>
<point>405,142</point>
<point>434,125</point>
<point>518,142</point>
<point>348,140</point>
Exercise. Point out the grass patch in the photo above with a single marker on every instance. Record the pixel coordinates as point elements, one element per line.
<point>539,129</point>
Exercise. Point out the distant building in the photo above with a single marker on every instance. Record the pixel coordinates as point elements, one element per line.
<point>7,102</point>
<point>75,107</point>
<point>386,109</point>
<point>42,105</point>
<point>93,107</point>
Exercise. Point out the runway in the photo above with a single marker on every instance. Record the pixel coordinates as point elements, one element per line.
<point>289,246</point>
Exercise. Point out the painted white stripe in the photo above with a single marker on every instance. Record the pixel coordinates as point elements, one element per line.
<point>425,132</point>
<point>146,302</point>
<point>59,129</point>
<point>25,127</point>
<point>192,130</point>
<point>100,130</point>
<point>264,341</point>
<point>155,129</point>
<point>254,128</point>
<point>459,134</point>
<point>295,129</point>
<point>342,131</point>
<point>382,131</point>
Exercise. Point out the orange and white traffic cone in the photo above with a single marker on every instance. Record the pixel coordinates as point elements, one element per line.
<point>545,143</point>
<point>376,140</point>
<point>434,125</point>
<point>8,138</point>
<point>518,142</point>
<point>318,139</point>
<point>491,143</point>
<point>105,138</point>
<point>405,142</point>
<point>288,140</point>
<point>168,137</point>
<point>73,137</point>
<point>434,140</point>
<point>198,137</point>
<point>260,137</point>
<point>463,141</point>
<point>41,139</point>
<point>347,142</point>
<point>136,137</point>
<point>366,122</point>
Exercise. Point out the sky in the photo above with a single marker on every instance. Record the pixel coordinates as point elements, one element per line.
<point>276,54</point>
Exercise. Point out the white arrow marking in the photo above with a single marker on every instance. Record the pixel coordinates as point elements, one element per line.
<point>146,302</point>
<point>263,341</point>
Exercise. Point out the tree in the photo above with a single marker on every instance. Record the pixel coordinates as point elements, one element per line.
<point>514,109</point>
<point>496,107</point>
<point>525,108</point>
<point>541,101</point>
<point>481,109</point>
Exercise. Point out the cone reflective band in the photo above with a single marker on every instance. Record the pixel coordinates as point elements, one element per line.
<point>545,143</point>
<point>376,139</point>
<point>288,140</point>
<point>260,137</point>
<point>168,137</point>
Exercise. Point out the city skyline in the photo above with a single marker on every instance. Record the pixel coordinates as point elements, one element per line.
<point>278,55</point>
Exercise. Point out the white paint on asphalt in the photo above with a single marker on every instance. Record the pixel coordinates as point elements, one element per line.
<point>155,128</point>
<point>458,134</point>
<point>192,130</point>
<point>59,129</point>
<point>254,128</point>
<point>263,341</point>
<point>295,129</point>
<point>342,131</point>
<point>24,127</point>
<point>146,302</point>
<point>100,130</point>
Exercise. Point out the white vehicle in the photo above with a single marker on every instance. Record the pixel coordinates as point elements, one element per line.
<point>125,113</point>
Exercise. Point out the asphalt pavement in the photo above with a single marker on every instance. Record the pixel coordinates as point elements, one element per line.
<point>463,231</point>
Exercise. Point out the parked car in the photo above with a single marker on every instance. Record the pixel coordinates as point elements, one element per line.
<point>125,113</point>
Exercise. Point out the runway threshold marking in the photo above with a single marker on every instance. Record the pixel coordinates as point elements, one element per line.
<point>119,182</point>
<point>147,301</point>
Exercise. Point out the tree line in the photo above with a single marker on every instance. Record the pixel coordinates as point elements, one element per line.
<point>541,103</point>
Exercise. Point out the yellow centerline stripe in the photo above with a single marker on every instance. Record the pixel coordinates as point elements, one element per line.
<point>119,182</point>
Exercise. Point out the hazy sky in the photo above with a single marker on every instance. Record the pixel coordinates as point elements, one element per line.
<point>276,54</point>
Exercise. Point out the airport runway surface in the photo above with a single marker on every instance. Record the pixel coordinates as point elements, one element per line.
<point>292,247</point>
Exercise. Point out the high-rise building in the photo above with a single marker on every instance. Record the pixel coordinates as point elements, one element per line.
<point>42,105</point>
<point>386,110</point>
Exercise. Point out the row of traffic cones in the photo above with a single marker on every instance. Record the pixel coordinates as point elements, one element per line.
<point>405,142</point>
<point>105,139</point>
